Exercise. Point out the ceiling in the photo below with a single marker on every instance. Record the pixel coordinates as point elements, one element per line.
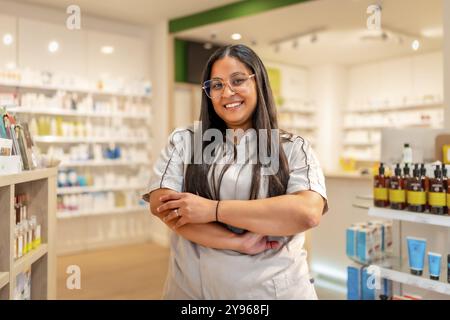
<point>139,12</point>
<point>342,24</point>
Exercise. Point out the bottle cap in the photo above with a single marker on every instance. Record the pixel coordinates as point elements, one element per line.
<point>406,145</point>
<point>381,169</point>
<point>437,172</point>
<point>397,170</point>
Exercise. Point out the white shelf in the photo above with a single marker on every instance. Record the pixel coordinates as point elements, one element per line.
<point>297,111</point>
<point>359,144</point>
<point>398,108</point>
<point>293,126</point>
<point>71,89</point>
<point>53,139</point>
<point>62,112</point>
<point>4,279</point>
<point>28,259</point>
<point>76,214</point>
<point>426,218</point>
<point>74,190</point>
<point>416,281</point>
<point>26,176</point>
<point>101,163</point>
<point>389,126</point>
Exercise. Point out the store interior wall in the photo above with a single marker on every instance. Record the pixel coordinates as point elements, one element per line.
<point>80,56</point>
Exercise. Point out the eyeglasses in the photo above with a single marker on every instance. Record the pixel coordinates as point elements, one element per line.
<point>214,88</point>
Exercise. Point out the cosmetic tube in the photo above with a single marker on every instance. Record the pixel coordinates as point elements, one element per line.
<point>434,265</point>
<point>416,254</point>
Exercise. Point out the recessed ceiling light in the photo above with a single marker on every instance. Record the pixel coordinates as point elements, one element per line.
<point>236,36</point>
<point>107,50</point>
<point>53,46</point>
<point>7,39</point>
<point>415,45</point>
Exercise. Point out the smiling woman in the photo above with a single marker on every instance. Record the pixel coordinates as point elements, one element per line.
<point>226,216</point>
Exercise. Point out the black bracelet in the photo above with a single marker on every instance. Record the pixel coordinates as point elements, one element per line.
<point>217,211</point>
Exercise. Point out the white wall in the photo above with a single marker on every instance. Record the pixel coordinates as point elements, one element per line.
<point>446,69</point>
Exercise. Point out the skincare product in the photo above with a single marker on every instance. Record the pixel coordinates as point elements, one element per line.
<point>381,184</point>
<point>437,194</point>
<point>397,190</point>
<point>434,265</point>
<point>416,195</point>
<point>416,254</point>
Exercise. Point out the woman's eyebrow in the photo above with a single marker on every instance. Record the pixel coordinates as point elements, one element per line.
<point>233,74</point>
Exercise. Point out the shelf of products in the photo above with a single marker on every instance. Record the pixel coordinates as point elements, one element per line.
<point>71,113</point>
<point>100,163</point>
<point>24,263</point>
<point>15,84</point>
<point>111,211</point>
<point>27,218</point>
<point>404,277</point>
<point>386,109</point>
<point>4,279</point>
<point>68,140</point>
<point>296,111</point>
<point>425,218</point>
<point>73,190</point>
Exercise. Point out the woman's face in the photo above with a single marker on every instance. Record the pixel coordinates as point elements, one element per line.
<point>235,108</point>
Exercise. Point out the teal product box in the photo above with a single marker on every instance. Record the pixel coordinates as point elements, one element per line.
<point>353,283</point>
<point>366,292</point>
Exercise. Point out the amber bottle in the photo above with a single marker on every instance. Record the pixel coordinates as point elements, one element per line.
<point>416,195</point>
<point>380,188</point>
<point>426,183</point>
<point>437,194</point>
<point>397,190</point>
<point>445,181</point>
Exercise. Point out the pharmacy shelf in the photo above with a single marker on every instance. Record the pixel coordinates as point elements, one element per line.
<point>359,144</point>
<point>101,163</point>
<point>84,213</point>
<point>293,126</point>
<point>416,281</point>
<point>296,111</point>
<point>25,262</point>
<point>426,218</point>
<point>72,113</point>
<point>53,139</point>
<point>4,279</point>
<point>380,127</point>
<point>75,190</point>
<point>26,176</point>
<point>71,89</point>
<point>387,109</point>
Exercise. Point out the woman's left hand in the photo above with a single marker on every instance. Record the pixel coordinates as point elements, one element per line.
<point>189,208</point>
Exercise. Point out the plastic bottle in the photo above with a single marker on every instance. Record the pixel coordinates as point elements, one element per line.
<point>397,190</point>
<point>445,182</point>
<point>416,196</point>
<point>437,193</point>
<point>407,154</point>
<point>426,182</point>
<point>381,184</point>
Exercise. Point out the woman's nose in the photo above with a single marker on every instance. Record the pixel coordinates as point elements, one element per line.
<point>228,91</point>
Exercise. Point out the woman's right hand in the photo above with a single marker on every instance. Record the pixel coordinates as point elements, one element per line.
<point>252,243</point>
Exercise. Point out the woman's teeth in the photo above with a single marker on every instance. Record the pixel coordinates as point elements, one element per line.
<point>233,105</point>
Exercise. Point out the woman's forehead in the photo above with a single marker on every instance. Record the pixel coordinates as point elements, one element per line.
<point>226,67</point>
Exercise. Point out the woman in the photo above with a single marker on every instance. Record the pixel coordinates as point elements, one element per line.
<point>238,233</point>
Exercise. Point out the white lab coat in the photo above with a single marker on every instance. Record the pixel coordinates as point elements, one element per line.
<point>197,272</point>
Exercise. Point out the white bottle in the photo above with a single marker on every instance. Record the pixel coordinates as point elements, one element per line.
<point>407,154</point>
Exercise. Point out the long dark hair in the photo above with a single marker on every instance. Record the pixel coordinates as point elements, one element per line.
<point>264,117</point>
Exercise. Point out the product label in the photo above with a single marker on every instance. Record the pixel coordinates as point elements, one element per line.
<point>417,198</point>
<point>380,194</point>
<point>397,196</point>
<point>448,199</point>
<point>437,199</point>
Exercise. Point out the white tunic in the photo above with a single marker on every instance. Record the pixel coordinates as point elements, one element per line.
<point>198,272</point>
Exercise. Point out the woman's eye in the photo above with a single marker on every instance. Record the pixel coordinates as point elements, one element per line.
<point>237,82</point>
<point>216,86</point>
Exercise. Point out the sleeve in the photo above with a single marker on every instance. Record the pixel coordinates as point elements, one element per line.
<point>305,172</point>
<point>168,171</point>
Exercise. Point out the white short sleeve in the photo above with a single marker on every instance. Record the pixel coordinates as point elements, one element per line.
<point>168,171</point>
<point>305,172</point>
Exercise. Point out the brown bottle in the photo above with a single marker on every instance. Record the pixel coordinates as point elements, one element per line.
<point>426,183</point>
<point>416,196</point>
<point>380,189</point>
<point>437,194</point>
<point>397,192</point>
<point>445,182</point>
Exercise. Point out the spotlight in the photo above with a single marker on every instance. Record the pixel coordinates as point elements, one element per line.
<point>415,45</point>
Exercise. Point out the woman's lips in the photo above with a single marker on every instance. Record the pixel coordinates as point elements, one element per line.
<point>234,105</point>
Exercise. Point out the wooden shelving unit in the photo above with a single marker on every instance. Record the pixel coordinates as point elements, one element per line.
<point>40,185</point>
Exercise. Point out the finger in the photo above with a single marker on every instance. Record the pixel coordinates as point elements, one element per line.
<point>173,204</point>
<point>171,196</point>
<point>180,223</point>
<point>171,216</point>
